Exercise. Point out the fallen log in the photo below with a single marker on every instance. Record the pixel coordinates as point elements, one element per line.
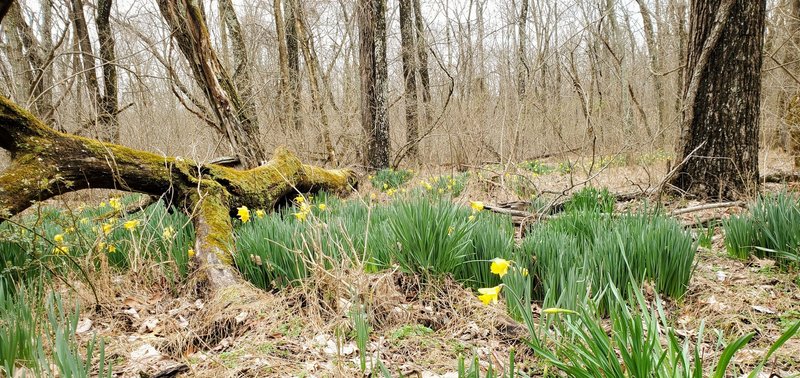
<point>46,163</point>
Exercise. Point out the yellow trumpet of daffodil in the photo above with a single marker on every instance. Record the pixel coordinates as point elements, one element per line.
<point>107,227</point>
<point>489,294</point>
<point>322,206</point>
<point>300,199</point>
<point>476,206</point>
<point>61,250</point>
<point>244,214</point>
<point>190,252</point>
<point>59,238</point>
<point>115,204</point>
<point>260,214</point>
<point>131,224</point>
<point>500,266</point>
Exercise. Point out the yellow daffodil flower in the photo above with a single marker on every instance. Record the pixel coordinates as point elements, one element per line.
<point>59,238</point>
<point>107,227</point>
<point>112,248</point>
<point>471,218</point>
<point>190,252</point>
<point>69,230</point>
<point>61,250</point>
<point>500,266</point>
<point>299,199</point>
<point>260,214</point>
<point>131,224</point>
<point>168,233</point>
<point>322,206</point>
<point>102,205</point>
<point>477,206</point>
<point>301,216</point>
<point>115,204</point>
<point>244,214</point>
<point>489,294</point>
<point>391,192</point>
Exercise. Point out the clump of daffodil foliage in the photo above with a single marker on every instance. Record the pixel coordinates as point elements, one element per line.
<point>52,240</point>
<point>386,179</point>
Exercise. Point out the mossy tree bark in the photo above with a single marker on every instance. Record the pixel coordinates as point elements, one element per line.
<point>46,163</point>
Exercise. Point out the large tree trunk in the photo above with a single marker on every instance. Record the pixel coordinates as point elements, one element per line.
<point>410,76</point>
<point>293,56</point>
<point>719,136</point>
<point>374,82</point>
<point>242,70</point>
<point>46,163</point>
<point>422,63</point>
<point>109,103</point>
<point>234,119</point>
<point>29,60</point>
<point>791,99</point>
<point>283,60</point>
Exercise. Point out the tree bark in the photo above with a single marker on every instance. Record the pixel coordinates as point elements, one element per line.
<point>109,103</point>
<point>410,76</point>
<point>46,163</point>
<point>242,69</point>
<point>29,59</point>
<point>422,63</point>
<point>719,136</point>
<point>791,100</point>
<point>293,55</point>
<point>522,65</point>
<point>374,83</point>
<point>283,60</point>
<point>655,66</point>
<point>234,121</point>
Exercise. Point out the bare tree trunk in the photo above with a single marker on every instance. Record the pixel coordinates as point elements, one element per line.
<point>109,103</point>
<point>655,66</point>
<point>29,60</point>
<point>312,67</point>
<point>87,55</point>
<point>719,138</point>
<point>293,56</point>
<point>410,76</point>
<point>242,70</point>
<point>522,67</point>
<point>374,83</point>
<point>791,108</point>
<point>422,62</point>
<point>189,30</point>
<point>283,60</point>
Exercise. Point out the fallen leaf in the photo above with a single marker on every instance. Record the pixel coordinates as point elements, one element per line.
<point>145,354</point>
<point>83,326</point>
<point>132,312</point>
<point>241,317</point>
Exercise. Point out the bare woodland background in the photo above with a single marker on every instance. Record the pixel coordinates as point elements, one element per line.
<point>509,79</point>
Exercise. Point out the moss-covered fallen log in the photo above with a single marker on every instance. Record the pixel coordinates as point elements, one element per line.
<point>46,163</point>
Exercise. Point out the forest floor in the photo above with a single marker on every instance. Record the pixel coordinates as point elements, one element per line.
<point>420,329</point>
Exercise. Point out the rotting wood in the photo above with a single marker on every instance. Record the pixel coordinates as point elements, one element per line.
<point>46,163</point>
